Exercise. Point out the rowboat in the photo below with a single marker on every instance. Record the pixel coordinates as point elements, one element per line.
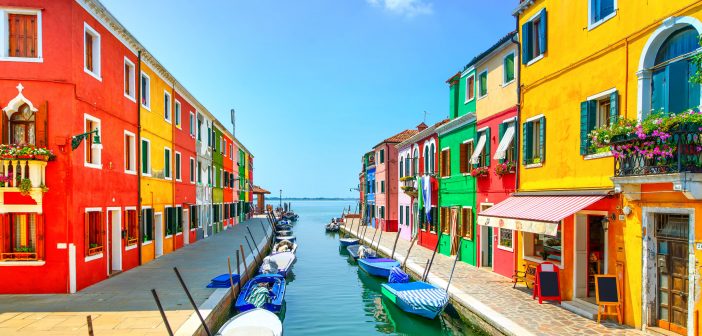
<point>284,233</point>
<point>419,298</point>
<point>284,246</point>
<point>283,226</point>
<point>348,241</point>
<point>279,263</point>
<point>378,266</point>
<point>253,322</point>
<point>288,238</point>
<point>249,297</point>
<point>354,251</point>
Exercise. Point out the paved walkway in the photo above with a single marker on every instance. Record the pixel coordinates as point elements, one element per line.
<point>123,305</point>
<point>491,296</point>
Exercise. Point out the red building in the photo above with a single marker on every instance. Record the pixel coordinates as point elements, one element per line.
<point>229,179</point>
<point>185,160</point>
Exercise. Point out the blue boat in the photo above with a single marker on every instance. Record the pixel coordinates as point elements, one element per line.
<point>348,241</point>
<point>354,251</point>
<point>419,298</point>
<point>378,266</point>
<point>276,285</point>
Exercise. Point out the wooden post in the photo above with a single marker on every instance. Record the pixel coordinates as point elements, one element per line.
<point>414,239</point>
<point>243,256</point>
<point>373,239</point>
<point>160,309</point>
<point>238,271</point>
<point>231,281</point>
<point>252,251</point>
<point>453,268</point>
<point>433,254</point>
<point>90,325</point>
<point>253,241</point>
<point>380,236</point>
<point>392,255</point>
<point>192,302</point>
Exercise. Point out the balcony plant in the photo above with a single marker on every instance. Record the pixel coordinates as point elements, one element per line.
<point>25,186</point>
<point>480,172</point>
<point>505,168</point>
<point>26,151</point>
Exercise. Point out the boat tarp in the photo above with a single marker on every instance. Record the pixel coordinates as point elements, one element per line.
<point>259,296</point>
<point>419,295</point>
<point>379,260</point>
<point>398,276</point>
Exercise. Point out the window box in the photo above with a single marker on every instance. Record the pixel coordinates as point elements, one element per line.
<point>94,249</point>
<point>131,241</point>
<point>505,168</point>
<point>480,172</point>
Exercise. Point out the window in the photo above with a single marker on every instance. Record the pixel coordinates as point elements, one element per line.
<point>470,88</point>
<point>433,225</point>
<point>94,232</point>
<point>381,212</point>
<point>170,220</point>
<point>93,151</point>
<point>177,166</point>
<point>192,170</point>
<point>167,163</point>
<point>402,167</point>
<point>508,69</point>
<point>407,215</point>
<point>130,221</point>
<point>231,151</point>
<point>426,159</point>
<point>21,237</point>
<point>145,91</point>
<point>209,175</point>
<point>466,154</point>
<point>598,111</point>
<point>445,220</point>
<point>179,219</point>
<point>505,239</point>
<point>534,144</point>
<point>382,156</point>
<point>128,79</point>
<point>129,152</point>
<point>199,172</point>
<point>416,161</point>
<point>467,223</point>
<point>146,157</point>
<point>167,106</point>
<point>91,47</point>
<point>177,113</point>
<point>194,223</point>
<point>601,10</point>
<point>199,128</point>
<point>445,163</point>
<point>147,225</point>
<point>23,126</point>
<point>402,213</point>
<point>382,187</point>
<point>192,124</point>
<point>482,84</point>
<point>506,148</point>
<point>543,247</point>
<point>481,155</point>
<point>534,38</point>
<point>24,34</point>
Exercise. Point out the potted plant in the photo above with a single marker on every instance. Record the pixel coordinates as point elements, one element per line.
<point>505,168</point>
<point>25,186</point>
<point>480,172</point>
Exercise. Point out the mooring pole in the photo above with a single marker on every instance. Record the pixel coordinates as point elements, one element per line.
<point>373,239</point>
<point>433,254</point>
<point>192,302</point>
<point>380,236</point>
<point>160,309</point>
<point>426,269</point>
<point>253,241</point>
<point>414,240</point>
<point>231,281</point>
<point>243,257</point>
<point>252,250</point>
<point>458,256</point>
<point>238,271</point>
<point>90,325</point>
<point>392,255</point>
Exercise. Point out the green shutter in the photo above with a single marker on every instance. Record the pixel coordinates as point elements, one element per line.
<point>613,107</point>
<point>515,141</point>
<point>144,157</point>
<point>584,127</point>
<point>167,163</point>
<point>501,132</point>
<point>487,147</point>
<point>659,94</point>
<point>542,32</point>
<point>526,144</point>
<point>526,42</point>
<point>678,87</point>
<point>509,68</point>
<point>542,140</point>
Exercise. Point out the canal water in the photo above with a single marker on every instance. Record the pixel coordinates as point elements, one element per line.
<point>328,294</point>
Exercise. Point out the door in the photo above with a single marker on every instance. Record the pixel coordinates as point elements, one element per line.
<point>455,237</point>
<point>158,232</point>
<point>185,220</point>
<point>115,228</point>
<point>580,263</point>
<point>485,246</point>
<point>672,260</point>
<point>595,252</point>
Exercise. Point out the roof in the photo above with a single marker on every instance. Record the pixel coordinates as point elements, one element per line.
<point>399,137</point>
<point>487,52</point>
<point>456,123</point>
<point>422,134</point>
<point>258,190</point>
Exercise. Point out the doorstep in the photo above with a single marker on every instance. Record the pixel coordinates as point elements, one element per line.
<point>660,332</point>
<point>582,308</point>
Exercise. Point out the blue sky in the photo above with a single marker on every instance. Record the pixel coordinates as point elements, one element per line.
<point>316,83</point>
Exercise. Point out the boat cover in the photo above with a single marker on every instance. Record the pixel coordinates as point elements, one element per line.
<point>398,276</point>
<point>259,296</point>
<point>420,295</point>
<point>378,260</point>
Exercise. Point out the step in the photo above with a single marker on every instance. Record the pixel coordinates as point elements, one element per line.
<point>582,308</point>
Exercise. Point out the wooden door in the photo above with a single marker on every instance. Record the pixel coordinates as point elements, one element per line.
<point>672,285</point>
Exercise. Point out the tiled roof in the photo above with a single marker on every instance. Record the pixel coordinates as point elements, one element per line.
<point>258,190</point>
<point>400,137</point>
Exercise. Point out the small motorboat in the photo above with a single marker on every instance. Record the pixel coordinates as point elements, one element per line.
<point>283,226</point>
<point>284,246</point>
<point>281,238</point>
<point>252,322</point>
<point>348,241</point>
<point>265,291</point>
<point>419,298</point>
<point>360,251</point>
<point>284,222</point>
<point>279,263</point>
<point>378,266</point>
<point>291,216</point>
<point>332,227</point>
<point>283,233</point>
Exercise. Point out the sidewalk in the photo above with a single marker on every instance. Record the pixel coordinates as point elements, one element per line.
<point>491,297</point>
<point>123,305</point>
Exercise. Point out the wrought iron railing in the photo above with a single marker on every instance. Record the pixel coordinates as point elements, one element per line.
<point>684,154</point>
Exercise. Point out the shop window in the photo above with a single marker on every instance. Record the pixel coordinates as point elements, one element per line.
<point>21,238</point>
<point>534,144</point>
<point>23,126</point>
<point>467,223</point>
<point>445,163</point>
<point>543,247</point>
<point>130,218</point>
<point>147,225</point>
<point>145,91</point>
<point>94,233</point>
<point>505,239</point>
<point>193,217</point>
<point>92,51</point>
<point>179,219</point>
<point>129,152</point>
<point>170,220</point>
<point>23,37</point>
<point>470,88</point>
<point>434,223</point>
<point>93,151</point>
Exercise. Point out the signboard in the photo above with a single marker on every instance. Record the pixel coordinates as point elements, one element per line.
<point>547,285</point>
<point>607,296</point>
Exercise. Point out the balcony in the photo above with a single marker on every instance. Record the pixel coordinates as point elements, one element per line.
<point>26,177</point>
<point>409,185</point>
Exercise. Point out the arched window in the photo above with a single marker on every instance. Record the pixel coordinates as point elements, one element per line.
<point>426,159</point>
<point>22,126</point>
<point>416,161</point>
<point>407,165</point>
<point>671,89</point>
<point>432,154</point>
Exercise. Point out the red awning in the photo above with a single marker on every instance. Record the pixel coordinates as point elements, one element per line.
<point>537,214</point>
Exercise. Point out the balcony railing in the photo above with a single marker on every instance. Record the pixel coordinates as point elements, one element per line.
<point>14,171</point>
<point>681,152</point>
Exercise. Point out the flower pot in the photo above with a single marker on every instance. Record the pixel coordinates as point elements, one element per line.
<point>25,156</point>
<point>42,157</point>
<point>7,156</point>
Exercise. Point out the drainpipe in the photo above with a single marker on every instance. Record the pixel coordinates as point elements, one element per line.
<point>515,40</point>
<point>137,144</point>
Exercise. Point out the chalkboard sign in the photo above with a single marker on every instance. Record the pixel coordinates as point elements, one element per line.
<point>549,286</point>
<point>607,289</point>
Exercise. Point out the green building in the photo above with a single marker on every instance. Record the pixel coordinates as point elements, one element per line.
<point>217,190</point>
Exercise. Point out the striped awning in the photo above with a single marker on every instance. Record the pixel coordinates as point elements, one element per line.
<point>536,214</point>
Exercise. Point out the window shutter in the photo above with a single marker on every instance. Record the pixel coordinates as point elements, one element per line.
<point>5,236</point>
<point>501,132</point>
<point>542,140</point>
<point>87,232</point>
<point>526,42</point>
<point>584,124</point>
<point>526,127</point>
<point>515,143</point>
<point>22,35</point>
<point>678,87</point>
<point>542,32</point>
<point>463,158</point>
<point>488,156</point>
<point>41,122</point>
<point>614,108</point>
<point>39,222</point>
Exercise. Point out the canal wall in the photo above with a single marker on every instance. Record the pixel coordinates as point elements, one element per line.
<point>218,308</point>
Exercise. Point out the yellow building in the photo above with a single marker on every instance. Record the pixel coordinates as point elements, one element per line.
<point>586,64</point>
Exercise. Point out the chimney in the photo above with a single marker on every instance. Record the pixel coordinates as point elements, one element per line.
<point>421,127</point>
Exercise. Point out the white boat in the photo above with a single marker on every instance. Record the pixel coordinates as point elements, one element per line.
<point>255,322</point>
<point>278,263</point>
<point>284,246</point>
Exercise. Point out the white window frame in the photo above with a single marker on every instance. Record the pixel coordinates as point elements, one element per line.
<point>148,156</point>
<point>131,82</point>
<point>165,222</point>
<point>231,150</point>
<point>499,240</point>
<point>167,108</point>
<point>170,158</point>
<point>145,97</point>
<point>98,147</point>
<point>130,161</point>
<point>487,89</point>
<point>178,173</point>
<point>193,168</point>
<point>176,113</point>
<point>504,70</point>
<point>193,124</point>
<point>467,99</point>
<point>5,33</point>
<point>97,66</point>
<point>592,25</point>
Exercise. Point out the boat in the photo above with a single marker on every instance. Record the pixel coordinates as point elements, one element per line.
<point>419,298</point>
<point>284,233</point>
<point>354,251</point>
<point>284,222</point>
<point>252,322</point>
<point>283,226</point>
<point>284,246</point>
<point>348,241</point>
<point>279,263</point>
<point>276,293</point>
<point>332,227</point>
<point>378,266</point>
<point>291,216</point>
<point>289,238</point>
